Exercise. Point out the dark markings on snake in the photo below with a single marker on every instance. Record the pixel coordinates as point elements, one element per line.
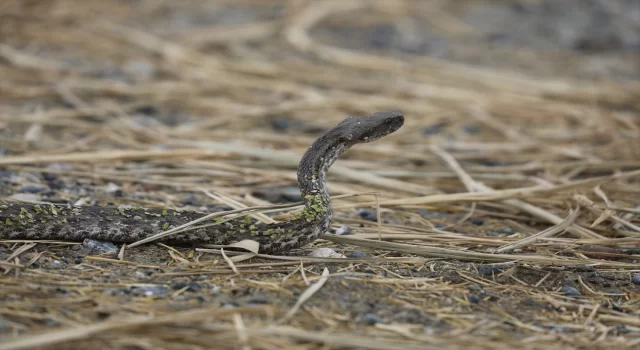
<point>126,225</point>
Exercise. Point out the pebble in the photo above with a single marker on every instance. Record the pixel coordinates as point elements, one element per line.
<point>112,188</point>
<point>344,230</point>
<point>615,293</point>
<point>291,194</point>
<point>256,299</point>
<point>26,197</point>
<point>489,269</point>
<point>31,189</point>
<point>368,214</point>
<point>49,176</point>
<point>570,291</point>
<point>430,214</point>
<point>190,200</point>
<point>474,299</point>
<point>326,253</point>
<point>141,274</point>
<point>356,254</point>
<point>280,124</point>
<point>150,290</point>
<point>146,110</point>
<point>140,68</point>
<point>433,129</point>
<point>100,247</point>
<point>383,36</point>
<point>500,232</point>
<point>477,222</point>
<point>428,330</point>
<point>191,286</point>
<point>471,129</point>
<point>635,278</point>
<point>5,326</point>
<point>371,319</point>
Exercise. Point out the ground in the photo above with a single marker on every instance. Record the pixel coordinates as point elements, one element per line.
<point>508,201</point>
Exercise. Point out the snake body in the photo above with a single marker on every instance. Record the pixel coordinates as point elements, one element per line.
<point>126,225</point>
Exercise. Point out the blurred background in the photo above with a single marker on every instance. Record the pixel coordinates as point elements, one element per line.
<point>300,65</point>
<point>520,73</point>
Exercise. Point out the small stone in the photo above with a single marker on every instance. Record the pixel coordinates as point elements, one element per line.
<point>31,189</point>
<point>500,232</point>
<point>477,222</point>
<point>280,124</point>
<point>140,274</point>
<point>367,214</point>
<point>613,292</point>
<point>100,247</point>
<point>140,68</point>
<point>635,278</point>
<point>371,319</point>
<point>190,200</point>
<point>433,129</point>
<point>257,299</point>
<point>270,194</point>
<point>600,281</point>
<point>474,299</point>
<point>146,110</point>
<point>194,287</point>
<point>191,286</point>
<point>344,230</point>
<point>291,194</point>
<point>570,291</point>
<point>111,188</point>
<point>150,290</point>
<point>356,254</point>
<point>26,197</point>
<point>78,260</point>
<point>382,36</point>
<point>49,176</point>
<point>489,269</point>
<point>325,253</point>
<point>428,330</point>
<point>470,129</point>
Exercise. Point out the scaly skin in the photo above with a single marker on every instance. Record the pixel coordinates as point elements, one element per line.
<point>46,222</point>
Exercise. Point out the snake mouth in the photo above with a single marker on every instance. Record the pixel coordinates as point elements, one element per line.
<point>394,123</point>
<point>385,124</point>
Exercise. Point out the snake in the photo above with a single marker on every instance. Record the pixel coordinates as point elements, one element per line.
<point>118,224</point>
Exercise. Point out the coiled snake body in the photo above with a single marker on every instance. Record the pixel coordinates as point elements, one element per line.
<point>116,224</point>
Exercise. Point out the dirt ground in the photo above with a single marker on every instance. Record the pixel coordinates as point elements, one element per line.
<point>508,202</point>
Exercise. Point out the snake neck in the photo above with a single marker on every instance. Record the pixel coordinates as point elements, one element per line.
<point>312,178</point>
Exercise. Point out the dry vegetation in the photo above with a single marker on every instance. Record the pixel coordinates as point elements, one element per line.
<point>508,203</point>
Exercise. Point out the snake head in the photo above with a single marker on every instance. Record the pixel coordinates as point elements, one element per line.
<point>369,128</point>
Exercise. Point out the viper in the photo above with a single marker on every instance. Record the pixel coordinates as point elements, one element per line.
<point>126,225</point>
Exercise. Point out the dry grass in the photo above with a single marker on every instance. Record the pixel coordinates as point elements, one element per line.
<point>555,159</point>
